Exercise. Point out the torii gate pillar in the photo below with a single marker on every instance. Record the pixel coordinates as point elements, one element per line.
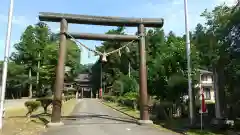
<point>144,116</point>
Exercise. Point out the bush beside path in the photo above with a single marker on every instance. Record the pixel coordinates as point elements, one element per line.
<point>16,121</point>
<point>126,106</point>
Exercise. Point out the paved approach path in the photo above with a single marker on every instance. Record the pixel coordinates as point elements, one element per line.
<point>90,117</point>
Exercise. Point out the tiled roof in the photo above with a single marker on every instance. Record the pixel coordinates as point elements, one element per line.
<point>205,71</point>
<point>83,78</point>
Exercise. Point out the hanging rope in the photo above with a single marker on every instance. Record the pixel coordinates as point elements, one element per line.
<point>119,49</point>
<point>104,54</point>
<point>89,49</point>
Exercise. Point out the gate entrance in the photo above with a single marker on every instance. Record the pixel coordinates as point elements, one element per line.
<point>64,19</point>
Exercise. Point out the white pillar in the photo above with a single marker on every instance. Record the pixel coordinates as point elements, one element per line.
<point>5,63</point>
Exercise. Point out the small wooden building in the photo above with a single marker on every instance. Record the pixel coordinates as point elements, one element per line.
<point>83,84</point>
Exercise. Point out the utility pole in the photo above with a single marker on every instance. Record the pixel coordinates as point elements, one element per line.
<point>101,76</point>
<point>5,63</point>
<point>190,93</point>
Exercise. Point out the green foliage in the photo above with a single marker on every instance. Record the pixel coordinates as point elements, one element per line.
<point>70,92</point>
<point>32,106</point>
<point>39,44</point>
<point>130,102</point>
<point>129,99</point>
<point>218,44</point>
<point>237,124</point>
<point>213,44</point>
<point>131,95</point>
<point>167,72</point>
<point>45,102</point>
<point>110,98</point>
<point>118,88</point>
<point>166,60</point>
<point>66,98</point>
<point>124,85</point>
<point>162,110</point>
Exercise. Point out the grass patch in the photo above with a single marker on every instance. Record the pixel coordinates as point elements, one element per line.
<point>179,125</point>
<point>16,122</point>
<point>131,112</point>
<point>127,110</point>
<point>173,126</point>
<point>199,132</point>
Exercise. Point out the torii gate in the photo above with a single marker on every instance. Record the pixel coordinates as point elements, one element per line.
<point>64,19</point>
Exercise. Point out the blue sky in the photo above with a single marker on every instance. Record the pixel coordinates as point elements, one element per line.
<point>26,13</point>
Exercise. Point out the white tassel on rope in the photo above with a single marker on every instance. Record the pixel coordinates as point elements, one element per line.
<point>127,50</point>
<point>119,53</point>
<point>104,57</point>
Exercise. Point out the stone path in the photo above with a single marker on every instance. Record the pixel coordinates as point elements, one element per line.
<point>90,117</point>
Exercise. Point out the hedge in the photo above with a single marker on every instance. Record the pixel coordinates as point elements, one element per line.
<point>45,102</point>
<point>32,106</point>
<point>66,98</point>
<point>122,100</point>
<point>133,103</point>
<point>110,98</point>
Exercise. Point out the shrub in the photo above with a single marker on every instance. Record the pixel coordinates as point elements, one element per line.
<point>129,99</point>
<point>118,88</point>
<point>45,102</point>
<point>32,106</point>
<point>66,98</point>
<point>70,92</point>
<point>237,123</point>
<point>162,110</point>
<point>110,98</point>
<point>120,100</point>
<point>210,108</point>
<point>124,85</point>
<point>131,95</point>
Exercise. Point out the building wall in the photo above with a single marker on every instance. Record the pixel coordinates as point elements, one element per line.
<point>212,95</point>
<point>207,85</point>
<point>206,79</point>
<point>206,82</point>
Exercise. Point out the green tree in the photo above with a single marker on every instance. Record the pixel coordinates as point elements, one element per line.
<point>217,43</point>
<point>38,52</point>
<point>26,54</point>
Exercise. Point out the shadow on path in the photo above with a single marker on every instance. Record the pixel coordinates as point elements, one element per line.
<point>86,116</point>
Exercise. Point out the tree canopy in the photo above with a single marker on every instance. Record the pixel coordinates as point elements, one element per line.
<point>214,47</point>
<point>39,45</point>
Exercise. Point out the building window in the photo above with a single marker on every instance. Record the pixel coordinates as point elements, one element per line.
<point>204,78</point>
<point>207,93</point>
